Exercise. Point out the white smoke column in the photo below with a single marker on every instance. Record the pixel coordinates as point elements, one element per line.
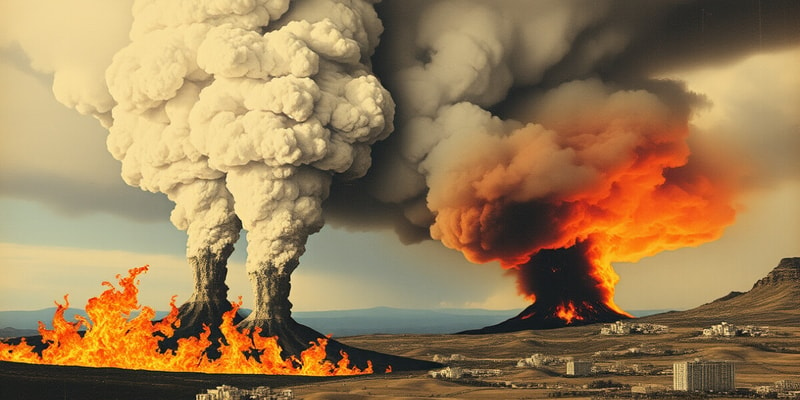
<point>155,82</point>
<point>239,112</point>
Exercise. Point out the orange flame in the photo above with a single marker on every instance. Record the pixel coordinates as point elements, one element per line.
<point>568,312</point>
<point>113,339</point>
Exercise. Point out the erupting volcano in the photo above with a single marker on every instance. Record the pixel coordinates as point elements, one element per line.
<point>509,151</point>
<point>112,337</point>
<point>565,289</point>
<point>242,113</point>
<point>604,176</point>
<point>516,144</point>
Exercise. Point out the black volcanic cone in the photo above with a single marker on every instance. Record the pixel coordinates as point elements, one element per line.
<point>560,279</point>
<point>272,315</point>
<point>193,317</point>
<point>294,338</point>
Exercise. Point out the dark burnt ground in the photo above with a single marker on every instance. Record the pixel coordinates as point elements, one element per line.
<point>20,381</point>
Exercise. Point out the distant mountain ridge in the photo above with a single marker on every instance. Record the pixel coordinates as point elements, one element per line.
<point>338,322</point>
<point>773,300</point>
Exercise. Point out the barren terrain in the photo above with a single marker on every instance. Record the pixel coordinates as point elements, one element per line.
<point>759,361</point>
<point>636,359</point>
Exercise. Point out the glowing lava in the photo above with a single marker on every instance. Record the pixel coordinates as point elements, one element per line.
<point>113,339</point>
<point>568,313</point>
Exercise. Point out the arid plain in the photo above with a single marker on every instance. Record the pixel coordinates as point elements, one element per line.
<point>772,306</point>
<point>759,361</point>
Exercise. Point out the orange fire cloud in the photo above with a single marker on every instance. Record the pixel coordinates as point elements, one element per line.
<point>113,339</point>
<point>611,170</point>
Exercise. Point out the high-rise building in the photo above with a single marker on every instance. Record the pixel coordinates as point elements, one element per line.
<point>704,376</point>
<point>579,368</point>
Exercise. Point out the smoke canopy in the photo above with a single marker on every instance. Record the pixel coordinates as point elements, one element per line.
<point>523,127</point>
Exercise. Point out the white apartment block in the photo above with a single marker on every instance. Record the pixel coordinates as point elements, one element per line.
<point>704,376</point>
<point>579,368</point>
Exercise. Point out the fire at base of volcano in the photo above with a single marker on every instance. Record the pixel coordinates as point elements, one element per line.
<point>110,337</point>
<point>567,288</point>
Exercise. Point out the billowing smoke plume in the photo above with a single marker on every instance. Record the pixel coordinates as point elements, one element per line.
<point>242,112</point>
<point>585,162</point>
<point>529,132</point>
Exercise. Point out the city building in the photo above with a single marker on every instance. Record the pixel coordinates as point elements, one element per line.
<point>538,360</point>
<point>226,392</point>
<point>729,330</point>
<point>704,376</point>
<point>783,388</point>
<point>787,385</point>
<point>447,373</point>
<point>722,329</point>
<point>627,328</point>
<point>445,359</point>
<point>579,368</point>
<point>458,372</point>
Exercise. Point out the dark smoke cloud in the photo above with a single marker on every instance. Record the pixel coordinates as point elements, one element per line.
<point>622,43</point>
<point>68,197</point>
<point>709,32</point>
<point>452,66</point>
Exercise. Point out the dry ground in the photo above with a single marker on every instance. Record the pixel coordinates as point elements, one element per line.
<point>759,361</point>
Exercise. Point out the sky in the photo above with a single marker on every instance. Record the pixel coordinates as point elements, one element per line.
<point>69,221</point>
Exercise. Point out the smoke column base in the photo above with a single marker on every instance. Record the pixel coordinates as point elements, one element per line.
<point>537,317</point>
<point>569,289</point>
<point>294,338</point>
<point>193,316</point>
<point>272,316</point>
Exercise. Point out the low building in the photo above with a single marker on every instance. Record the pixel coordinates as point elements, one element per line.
<point>721,329</point>
<point>648,389</point>
<point>447,373</point>
<point>627,328</point>
<point>617,328</point>
<point>787,385</point>
<point>579,368</point>
<point>226,392</point>
<point>445,359</point>
<point>458,373</point>
<point>779,387</point>
<point>729,330</point>
<point>704,376</point>
<point>538,360</point>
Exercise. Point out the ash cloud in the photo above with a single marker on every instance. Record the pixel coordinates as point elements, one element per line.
<point>242,113</point>
<point>494,100</point>
<point>531,126</point>
<point>622,44</point>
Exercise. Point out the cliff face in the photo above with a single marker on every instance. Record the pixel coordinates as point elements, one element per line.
<point>787,272</point>
<point>774,300</point>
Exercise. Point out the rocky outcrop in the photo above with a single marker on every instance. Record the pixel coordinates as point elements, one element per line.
<point>787,271</point>
<point>774,301</point>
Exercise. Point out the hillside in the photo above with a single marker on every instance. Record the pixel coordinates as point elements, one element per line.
<point>773,300</point>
